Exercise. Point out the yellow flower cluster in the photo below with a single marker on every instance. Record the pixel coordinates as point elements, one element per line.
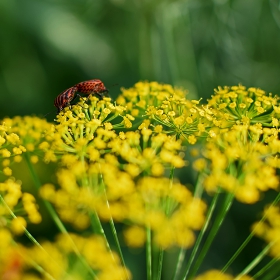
<point>144,94</point>
<point>241,154</point>
<point>238,162</point>
<point>19,136</point>
<point>10,259</point>
<point>59,259</point>
<point>167,110</point>
<point>239,105</point>
<point>170,211</point>
<point>217,275</point>
<point>269,229</point>
<point>128,184</point>
<point>116,162</point>
<point>84,128</point>
<point>12,200</point>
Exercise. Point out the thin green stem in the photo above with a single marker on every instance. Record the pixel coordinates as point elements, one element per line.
<point>181,256</point>
<point>98,229</point>
<point>159,265</point>
<point>37,267</point>
<point>168,209</point>
<point>209,215</point>
<point>244,244</point>
<point>256,260</point>
<point>33,240</point>
<point>265,268</point>
<point>216,226</point>
<point>167,200</point>
<point>48,205</point>
<point>112,225</point>
<point>116,239</point>
<point>149,254</point>
<point>180,260</point>
<point>54,215</point>
<point>26,232</point>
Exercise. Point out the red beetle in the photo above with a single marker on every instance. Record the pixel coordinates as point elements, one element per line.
<point>64,98</point>
<point>92,87</point>
<point>87,87</point>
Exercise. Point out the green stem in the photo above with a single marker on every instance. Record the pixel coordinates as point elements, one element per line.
<point>98,229</point>
<point>168,204</point>
<point>180,259</point>
<point>54,215</point>
<point>112,225</point>
<point>265,268</point>
<point>160,261</point>
<point>26,232</point>
<point>256,260</point>
<point>116,239</point>
<point>200,236</point>
<point>181,256</point>
<point>33,240</point>
<point>37,267</point>
<point>244,244</point>
<point>48,205</point>
<point>216,226</point>
<point>149,254</point>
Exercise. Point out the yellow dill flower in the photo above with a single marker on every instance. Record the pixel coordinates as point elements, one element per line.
<point>127,123</point>
<point>144,94</point>
<point>11,192</point>
<point>7,171</point>
<point>162,150</point>
<point>2,140</point>
<point>18,225</point>
<point>14,201</point>
<point>181,117</point>
<point>170,212</point>
<point>214,274</point>
<point>11,260</point>
<point>31,208</point>
<point>13,138</point>
<point>6,162</point>
<point>239,105</point>
<point>86,129</point>
<point>26,133</point>
<point>95,252</point>
<point>200,164</point>
<point>135,236</point>
<point>34,159</point>
<point>52,259</point>
<point>47,191</point>
<point>167,109</point>
<point>239,147</point>
<point>269,229</point>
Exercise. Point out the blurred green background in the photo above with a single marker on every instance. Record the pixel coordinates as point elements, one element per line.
<point>50,45</point>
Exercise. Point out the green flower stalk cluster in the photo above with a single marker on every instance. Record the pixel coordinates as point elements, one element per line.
<point>114,166</point>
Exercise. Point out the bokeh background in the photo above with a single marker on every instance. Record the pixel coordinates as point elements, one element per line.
<point>50,45</point>
<point>47,46</point>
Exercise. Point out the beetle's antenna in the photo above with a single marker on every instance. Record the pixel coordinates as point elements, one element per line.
<point>47,114</point>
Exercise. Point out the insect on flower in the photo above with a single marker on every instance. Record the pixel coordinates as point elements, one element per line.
<point>92,87</point>
<point>64,99</point>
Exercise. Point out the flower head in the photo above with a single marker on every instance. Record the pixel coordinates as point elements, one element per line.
<point>239,105</point>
